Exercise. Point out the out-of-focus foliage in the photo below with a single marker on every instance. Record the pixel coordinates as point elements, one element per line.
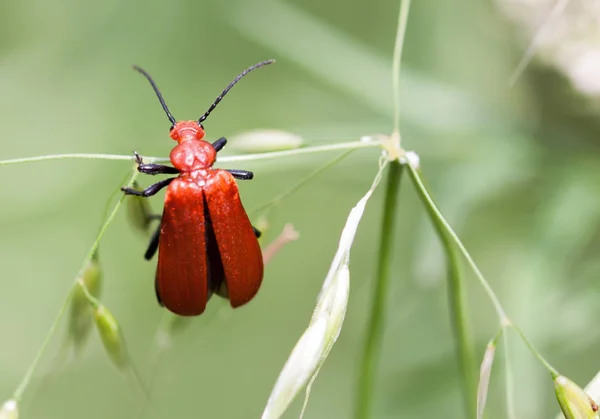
<point>515,170</point>
<point>564,34</point>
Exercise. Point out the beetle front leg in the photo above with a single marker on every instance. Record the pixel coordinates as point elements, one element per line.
<point>153,169</point>
<point>219,144</point>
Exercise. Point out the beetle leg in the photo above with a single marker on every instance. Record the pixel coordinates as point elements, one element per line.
<point>150,190</point>
<point>241,174</point>
<point>153,169</point>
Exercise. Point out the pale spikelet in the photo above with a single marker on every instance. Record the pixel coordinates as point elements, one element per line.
<point>80,310</point>
<point>300,366</point>
<point>574,402</point>
<point>333,302</point>
<point>485,371</point>
<point>112,337</point>
<point>312,349</point>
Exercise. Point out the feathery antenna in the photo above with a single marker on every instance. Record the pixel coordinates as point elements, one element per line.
<point>224,92</point>
<point>158,94</point>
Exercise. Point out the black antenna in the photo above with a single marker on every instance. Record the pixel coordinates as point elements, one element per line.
<point>228,88</point>
<point>160,98</point>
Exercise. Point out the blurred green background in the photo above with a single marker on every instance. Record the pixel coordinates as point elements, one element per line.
<point>515,170</point>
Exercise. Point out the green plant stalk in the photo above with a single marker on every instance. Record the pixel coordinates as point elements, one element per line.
<point>422,191</point>
<point>352,145</point>
<point>553,372</point>
<point>458,315</point>
<point>375,327</point>
<point>504,320</point>
<point>400,33</point>
<point>18,394</point>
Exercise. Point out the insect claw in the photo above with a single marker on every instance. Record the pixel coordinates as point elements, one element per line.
<point>138,158</point>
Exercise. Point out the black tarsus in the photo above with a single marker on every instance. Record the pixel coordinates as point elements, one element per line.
<point>257,232</point>
<point>158,94</point>
<point>229,86</point>
<point>241,174</point>
<point>219,144</point>
<point>160,303</point>
<point>150,190</point>
<point>153,169</point>
<point>153,244</point>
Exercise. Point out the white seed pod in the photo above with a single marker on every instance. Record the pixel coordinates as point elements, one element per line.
<point>261,141</point>
<point>300,366</point>
<point>312,349</point>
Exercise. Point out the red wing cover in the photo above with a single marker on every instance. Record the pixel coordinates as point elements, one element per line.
<point>239,249</point>
<point>181,274</point>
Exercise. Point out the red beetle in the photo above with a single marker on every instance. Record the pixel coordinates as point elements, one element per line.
<point>205,241</point>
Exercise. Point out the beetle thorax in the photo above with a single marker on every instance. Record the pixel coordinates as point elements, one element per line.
<point>193,155</point>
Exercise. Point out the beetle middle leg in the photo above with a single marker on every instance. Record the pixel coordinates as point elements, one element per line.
<point>150,190</point>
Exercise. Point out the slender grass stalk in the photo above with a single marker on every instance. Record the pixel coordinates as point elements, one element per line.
<point>375,327</point>
<point>72,156</point>
<point>553,372</point>
<point>352,145</point>
<point>18,394</point>
<point>400,33</point>
<point>556,10</point>
<point>458,315</point>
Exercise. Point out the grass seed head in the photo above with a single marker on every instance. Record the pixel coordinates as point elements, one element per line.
<point>112,337</point>
<point>573,401</point>
<point>80,311</point>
